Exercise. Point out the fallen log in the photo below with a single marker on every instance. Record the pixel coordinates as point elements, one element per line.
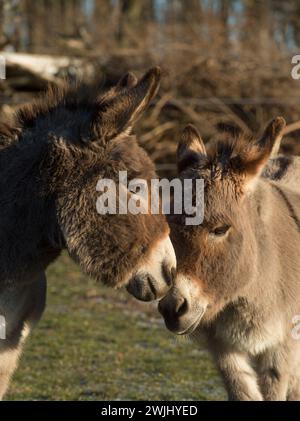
<point>32,72</point>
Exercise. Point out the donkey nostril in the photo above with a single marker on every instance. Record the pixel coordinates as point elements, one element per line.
<point>182,307</point>
<point>151,286</point>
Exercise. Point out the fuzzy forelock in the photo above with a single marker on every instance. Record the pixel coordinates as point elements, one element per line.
<point>227,153</point>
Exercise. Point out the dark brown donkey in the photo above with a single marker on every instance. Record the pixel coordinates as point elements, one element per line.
<point>50,164</point>
<point>238,273</point>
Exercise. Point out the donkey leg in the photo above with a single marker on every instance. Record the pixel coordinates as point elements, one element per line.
<point>273,372</point>
<point>8,363</point>
<point>239,377</point>
<point>21,308</point>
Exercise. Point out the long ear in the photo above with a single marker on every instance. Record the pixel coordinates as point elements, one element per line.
<point>273,134</point>
<point>257,156</point>
<point>120,112</point>
<point>251,161</point>
<point>190,148</point>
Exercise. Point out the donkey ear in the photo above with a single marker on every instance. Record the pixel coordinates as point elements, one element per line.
<point>252,160</point>
<point>120,112</point>
<point>257,155</point>
<point>272,135</point>
<point>190,148</point>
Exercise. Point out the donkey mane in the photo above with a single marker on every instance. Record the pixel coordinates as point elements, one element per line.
<point>52,108</point>
<point>66,95</point>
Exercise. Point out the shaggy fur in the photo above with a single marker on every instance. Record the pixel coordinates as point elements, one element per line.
<point>238,273</point>
<point>50,164</point>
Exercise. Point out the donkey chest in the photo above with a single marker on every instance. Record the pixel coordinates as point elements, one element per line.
<point>249,332</point>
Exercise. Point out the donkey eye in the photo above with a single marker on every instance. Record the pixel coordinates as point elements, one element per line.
<point>220,231</point>
<point>144,248</point>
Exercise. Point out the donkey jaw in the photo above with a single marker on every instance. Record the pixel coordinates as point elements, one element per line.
<point>154,278</point>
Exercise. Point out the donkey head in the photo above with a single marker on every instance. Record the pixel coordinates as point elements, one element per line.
<point>216,260</point>
<point>88,139</point>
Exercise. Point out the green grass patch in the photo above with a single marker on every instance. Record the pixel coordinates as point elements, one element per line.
<point>94,343</point>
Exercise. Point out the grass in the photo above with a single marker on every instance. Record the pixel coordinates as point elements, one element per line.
<point>94,343</point>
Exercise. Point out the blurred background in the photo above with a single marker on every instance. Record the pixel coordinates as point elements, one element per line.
<point>224,61</point>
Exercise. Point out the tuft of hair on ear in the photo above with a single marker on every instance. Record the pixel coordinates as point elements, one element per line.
<point>127,81</point>
<point>190,149</point>
<point>229,129</point>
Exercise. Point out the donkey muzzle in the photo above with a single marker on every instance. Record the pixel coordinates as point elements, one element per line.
<point>179,314</point>
<point>146,287</point>
<point>155,276</point>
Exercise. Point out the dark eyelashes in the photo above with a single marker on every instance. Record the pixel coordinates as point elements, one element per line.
<point>220,230</point>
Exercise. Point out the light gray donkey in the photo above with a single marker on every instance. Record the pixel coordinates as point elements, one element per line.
<point>238,273</point>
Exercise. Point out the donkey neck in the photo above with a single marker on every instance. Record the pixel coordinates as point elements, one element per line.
<point>275,223</point>
<point>29,235</point>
